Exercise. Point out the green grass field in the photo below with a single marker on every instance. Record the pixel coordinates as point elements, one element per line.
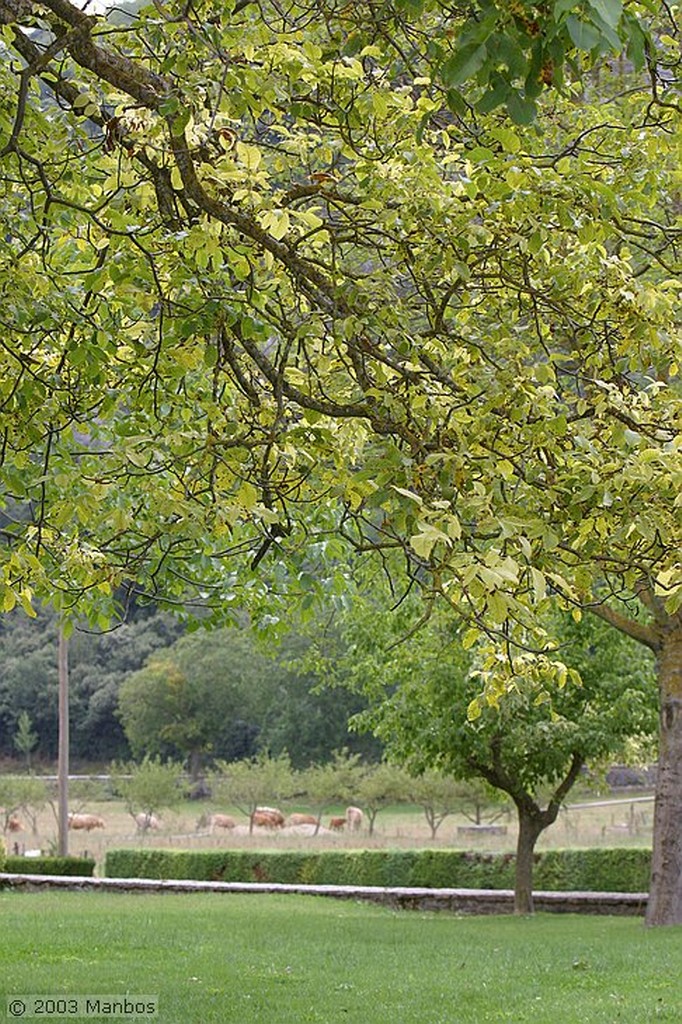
<point>279,960</point>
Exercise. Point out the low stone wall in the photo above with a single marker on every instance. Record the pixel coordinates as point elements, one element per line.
<point>459,901</point>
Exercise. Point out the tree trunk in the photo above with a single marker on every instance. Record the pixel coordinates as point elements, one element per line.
<point>530,827</point>
<point>63,755</point>
<point>195,766</point>
<point>665,895</point>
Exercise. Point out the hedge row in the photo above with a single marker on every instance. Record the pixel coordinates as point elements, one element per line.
<point>82,866</point>
<point>596,870</point>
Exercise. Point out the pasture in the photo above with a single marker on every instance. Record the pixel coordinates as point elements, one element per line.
<point>625,822</point>
<point>215,959</point>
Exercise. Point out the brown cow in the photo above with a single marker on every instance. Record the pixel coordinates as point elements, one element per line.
<point>336,824</point>
<point>14,825</point>
<point>354,818</point>
<point>222,821</point>
<point>85,821</point>
<point>267,817</point>
<point>302,819</point>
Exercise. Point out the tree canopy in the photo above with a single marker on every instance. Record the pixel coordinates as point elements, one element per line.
<point>223,235</point>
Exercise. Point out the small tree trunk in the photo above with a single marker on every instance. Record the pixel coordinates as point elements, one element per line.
<point>195,766</point>
<point>63,755</point>
<point>530,827</point>
<point>665,895</point>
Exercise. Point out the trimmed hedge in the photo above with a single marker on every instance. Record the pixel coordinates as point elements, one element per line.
<point>597,870</point>
<point>83,866</point>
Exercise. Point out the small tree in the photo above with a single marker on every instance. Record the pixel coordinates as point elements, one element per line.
<point>336,781</point>
<point>481,802</point>
<point>22,794</point>
<point>534,745</point>
<point>251,783</point>
<point>380,786</point>
<point>438,795</point>
<point>24,738</point>
<point>147,787</point>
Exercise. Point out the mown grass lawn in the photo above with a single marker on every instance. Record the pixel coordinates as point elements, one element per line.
<point>280,959</point>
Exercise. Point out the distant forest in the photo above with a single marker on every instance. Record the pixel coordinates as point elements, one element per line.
<point>149,686</point>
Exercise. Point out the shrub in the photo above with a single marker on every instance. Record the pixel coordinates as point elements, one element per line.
<point>561,870</point>
<point>82,866</point>
<point>594,870</point>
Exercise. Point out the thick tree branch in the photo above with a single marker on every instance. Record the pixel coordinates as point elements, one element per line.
<point>643,634</point>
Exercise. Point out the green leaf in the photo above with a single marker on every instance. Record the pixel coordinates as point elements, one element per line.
<point>584,36</point>
<point>463,64</point>
<point>408,494</point>
<point>494,97</point>
<point>180,121</point>
<point>509,140</point>
<point>456,103</point>
<point>26,599</point>
<point>474,709</point>
<point>609,11</point>
<point>561,7</point>
<point>636,49</point>
<point>413,8</point>
<point>520,109</point>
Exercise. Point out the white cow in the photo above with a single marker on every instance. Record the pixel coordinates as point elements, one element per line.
<point>354,818</point>
<point>145,821</point>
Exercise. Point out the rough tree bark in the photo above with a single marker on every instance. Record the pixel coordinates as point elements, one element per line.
<point>664,638</point>
<point>532,822</point>
<point>665,899</point>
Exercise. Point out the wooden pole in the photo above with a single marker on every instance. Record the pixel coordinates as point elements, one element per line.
<point>63,759</point>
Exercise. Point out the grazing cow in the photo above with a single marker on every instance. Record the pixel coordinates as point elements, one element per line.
<point>267,817</point>
<point>145,821</point>
<point>85,821</point>
<point>271,810</point>
<point>354,818</point>
<point>14,825</point>
<point>222,821</point>
<point>302,819</point>
<point>336,824</point>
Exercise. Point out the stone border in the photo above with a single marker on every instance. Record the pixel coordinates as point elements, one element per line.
<point>460,901</point>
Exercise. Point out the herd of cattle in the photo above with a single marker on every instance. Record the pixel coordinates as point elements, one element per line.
<point>272,818</point>
<point>263,817</point>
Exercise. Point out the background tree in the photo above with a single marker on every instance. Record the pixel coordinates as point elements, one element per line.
<point>480,803</point>
<point>533,744</point>
<point>98,665</point>
<point>380,786</point>
<point>334,782</point>
<point>441,795</point>
<point>148,787</point>
<point>305,717</point>
<point>280,704</point>
<point>205,695</point>
<point>24,796</point>
<point>24,738</point>
<point>252,783</point>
